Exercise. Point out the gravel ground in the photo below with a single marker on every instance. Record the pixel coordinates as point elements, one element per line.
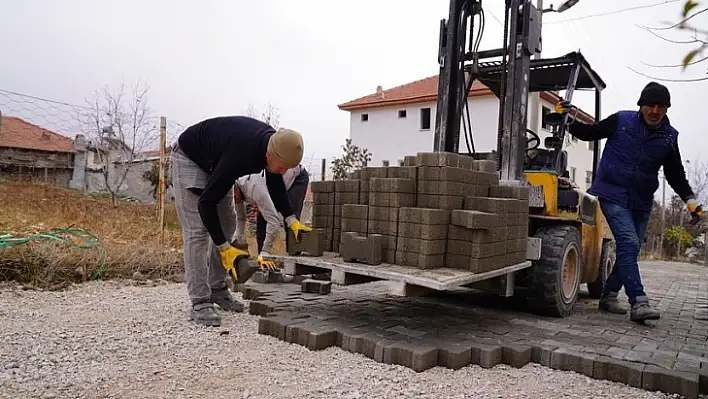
<point>116,340</point>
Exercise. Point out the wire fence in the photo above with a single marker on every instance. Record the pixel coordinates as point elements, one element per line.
<point>110,144</point>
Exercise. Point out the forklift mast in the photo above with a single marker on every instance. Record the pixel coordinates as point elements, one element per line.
<point>511,79</point>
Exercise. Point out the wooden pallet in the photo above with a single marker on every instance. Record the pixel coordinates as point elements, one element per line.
<point>439,279</point>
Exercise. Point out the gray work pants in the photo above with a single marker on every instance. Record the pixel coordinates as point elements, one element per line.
<point>203,271</point>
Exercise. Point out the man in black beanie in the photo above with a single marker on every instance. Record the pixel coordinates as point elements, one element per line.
<point>638,144</point>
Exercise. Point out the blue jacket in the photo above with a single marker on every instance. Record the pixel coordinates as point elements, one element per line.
<point>628,173</point>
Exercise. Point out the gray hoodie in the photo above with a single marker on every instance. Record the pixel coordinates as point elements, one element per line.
<point>254,190</point>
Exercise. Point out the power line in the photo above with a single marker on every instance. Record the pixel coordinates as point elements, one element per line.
<point>608,13</point>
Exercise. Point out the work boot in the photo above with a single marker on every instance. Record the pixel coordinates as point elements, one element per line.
<point>205,314</point>
<point>610,304</point>
<point>225,301</point>
<point>641,310</point>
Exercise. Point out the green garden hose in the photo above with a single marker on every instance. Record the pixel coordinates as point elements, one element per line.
<point>73,237</point>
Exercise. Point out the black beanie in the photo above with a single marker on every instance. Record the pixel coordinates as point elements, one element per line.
<point>655,94</point>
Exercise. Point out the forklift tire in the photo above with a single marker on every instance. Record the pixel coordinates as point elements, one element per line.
<point>607,262</point>
<point>555,278</point>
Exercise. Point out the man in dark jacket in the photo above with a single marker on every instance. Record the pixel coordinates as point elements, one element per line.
<point>638,144</point>
<point>206,161</point>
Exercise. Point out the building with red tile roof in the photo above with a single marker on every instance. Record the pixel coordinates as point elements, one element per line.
<point>400,121</point>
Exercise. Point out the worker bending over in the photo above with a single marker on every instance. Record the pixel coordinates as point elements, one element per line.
<point>253,189</point>
<point>296,181</point>
<point>206,161</point>
<point>638,144</point>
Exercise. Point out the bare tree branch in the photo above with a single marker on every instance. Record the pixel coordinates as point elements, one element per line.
<point>683,21</point>
<point>647,29</point>
<point>120,128</point>
<point>668,80</point>
<point>677,65</point>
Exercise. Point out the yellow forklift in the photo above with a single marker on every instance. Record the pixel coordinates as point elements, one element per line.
<point>571,243</point>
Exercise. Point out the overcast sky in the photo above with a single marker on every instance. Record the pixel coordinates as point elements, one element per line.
<point>206,58</point>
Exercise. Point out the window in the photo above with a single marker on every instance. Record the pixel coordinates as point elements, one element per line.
<point>544,111</point>
<point>572,174</point>
<point>402,114</point>
<point>588,176</point>
<point>364,117</point>
<point>385,163</point>
<point>425,119</point>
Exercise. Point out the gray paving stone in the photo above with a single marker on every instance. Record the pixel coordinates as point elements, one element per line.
<point>516,355</point>
<point>454,355</point>
<point>486,355</point>
<point>365,319</point>
<point>660,379</point>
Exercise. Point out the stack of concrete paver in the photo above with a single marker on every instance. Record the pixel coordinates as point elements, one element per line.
<point>439,209</point>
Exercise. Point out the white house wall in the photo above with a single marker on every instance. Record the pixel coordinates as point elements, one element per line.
<point>389,137</point>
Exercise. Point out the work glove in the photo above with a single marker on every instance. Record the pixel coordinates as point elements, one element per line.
<point>228,258</point>
<point>696,210</point>
<point>265,265</point>
<point>296,227</point>
<point>563,107</point>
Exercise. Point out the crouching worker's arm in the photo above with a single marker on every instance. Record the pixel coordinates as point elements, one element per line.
<point>239,238</point>
<point>273,219</point>
<point>279,196</point>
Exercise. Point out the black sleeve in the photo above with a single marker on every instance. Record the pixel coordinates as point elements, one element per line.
<point>221,181</point>
<point>675,173</point>
<point>601,130</point>
<point>278,193</point>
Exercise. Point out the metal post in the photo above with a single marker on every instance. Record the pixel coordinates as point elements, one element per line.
<point>323,169</point>
<point>535,97</point>
<point>663,212</point>
<point>513,140</point>
<point>596,145</point>
<point>679,240</point>
<point>161,181</point>
<point>447,121</point>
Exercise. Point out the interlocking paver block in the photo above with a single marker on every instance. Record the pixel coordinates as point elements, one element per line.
<point>346,186</point>
<point>567,360</point>
<point>316,286</point>
<point>542,353</point>
<point>486,355</point>
<point>320,337</point>
<point>442,188</point>
<point>660,379</point>
<point>518,192</point>
<point>355,248</point>
<point>448,202</point>
<point>402,172</point>
<point>311,243</point>
<point>392,185</point>
<point>355,211</point>
<point>438,159</point>
<point>607,368</point>
<point>474,219</point>
<point>454,355</point>
<point>416,356</point>
<point>424,216</point>
<point>516,355</point>
<point>484,166</point>
<point>322,186</point>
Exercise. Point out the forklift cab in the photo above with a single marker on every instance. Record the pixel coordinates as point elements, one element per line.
<point>546,164</point>
<point>569,72</point>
